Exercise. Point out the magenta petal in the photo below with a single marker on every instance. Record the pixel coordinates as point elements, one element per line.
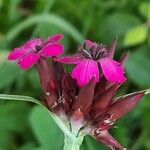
<point>85,70</point>
<point>112,70</point>
<point>33,43</point>
<point>70,59</point>
<point>52,50</point>
<point>55,38</point>
<point>28,60</point>
<point>17,53</point>
<point>89,43</point>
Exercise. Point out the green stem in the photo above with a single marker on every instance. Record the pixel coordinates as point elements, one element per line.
<point>72,143</point>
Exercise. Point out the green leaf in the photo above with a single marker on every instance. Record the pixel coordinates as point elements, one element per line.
<point>43,5</point>
<point>13,120</point>
<point>138,67</point>
<point>17,120</point>
<point>3,56</point>
<point>28,146</point>
<point>13,14</point>
<point>146,112</point>
<point>34,79</point>
<point>64,126</point>
<point>8,73</point>
<point>45,129</point>
<point>136,35</point>
<point>90,143</point>
<point>111,26</point>
<point>144,9</point>
<point>45,18</point>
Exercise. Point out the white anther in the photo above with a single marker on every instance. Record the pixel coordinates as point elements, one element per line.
<point>47,93</point>
<point>55,104</point>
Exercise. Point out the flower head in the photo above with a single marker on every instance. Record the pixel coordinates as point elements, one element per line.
<point>28,54</point>
<point>95,60</point>
<point>91,109</point>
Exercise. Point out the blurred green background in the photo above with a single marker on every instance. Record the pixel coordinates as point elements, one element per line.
<point>24,126</point>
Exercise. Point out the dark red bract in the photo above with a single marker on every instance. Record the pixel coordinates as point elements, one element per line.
<point>86,97</point>
<point>91,109</point>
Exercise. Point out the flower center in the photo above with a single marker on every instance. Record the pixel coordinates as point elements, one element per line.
<point>99,51</point>
<point>96,52</point>
<point>38,48</point>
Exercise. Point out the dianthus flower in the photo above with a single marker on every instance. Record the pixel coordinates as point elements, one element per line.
<point>95,59</point>
<point>29,54</point>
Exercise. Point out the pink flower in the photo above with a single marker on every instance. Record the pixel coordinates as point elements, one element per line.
<point>95,60</point>
<point>28,54</point>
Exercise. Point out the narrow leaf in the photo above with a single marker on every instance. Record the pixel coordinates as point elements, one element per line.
<point>45,18</point>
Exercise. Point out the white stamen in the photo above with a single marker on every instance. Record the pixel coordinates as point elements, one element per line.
<point>47,93</point>
<point>87,53</point>
<point>55,104</point>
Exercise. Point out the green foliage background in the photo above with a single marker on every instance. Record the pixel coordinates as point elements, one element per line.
<point>25,126</point>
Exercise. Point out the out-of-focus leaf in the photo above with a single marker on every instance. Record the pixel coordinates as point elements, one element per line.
<point>138,67</point>
<point>144,9</point>
<point>8,73</point>
<point>28,146</point>
<point>41,7</point>
<point>89,143</point>
<point>4,138</point>
<point>63,125</point>
<point>121,132</point>
<point>13,9</point>
<point>46,130</point>
<point>34,79</point>
<point>3,56</point>
<point>136,35</point>
<point>117,24</point>
<point>1,3</point>
<point>13,119</point>
<point>146,112</point>
<point>47,18</point>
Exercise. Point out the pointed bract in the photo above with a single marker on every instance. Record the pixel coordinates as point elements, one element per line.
<point>47,77</point>
<point>104,100</point>
<point>89,43</point>
<point>124,59</point>
<point>84,101</point>
<point>123,105</point>
<point>105,138</point>
<point>112,49</point>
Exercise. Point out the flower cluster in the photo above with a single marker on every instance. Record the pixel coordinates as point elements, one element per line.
<point>85,97</point>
